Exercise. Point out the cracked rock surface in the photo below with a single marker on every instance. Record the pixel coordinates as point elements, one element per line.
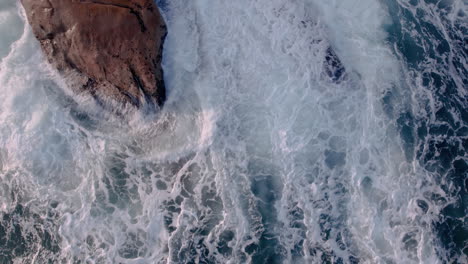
<point>108,48</point>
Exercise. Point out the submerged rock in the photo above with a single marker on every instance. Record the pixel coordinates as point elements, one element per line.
<point>109,48</point>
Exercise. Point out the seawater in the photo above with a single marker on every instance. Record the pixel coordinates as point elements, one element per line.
<point>300,131</point>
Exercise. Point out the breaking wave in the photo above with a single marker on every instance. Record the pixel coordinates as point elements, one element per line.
<point>300,131</point>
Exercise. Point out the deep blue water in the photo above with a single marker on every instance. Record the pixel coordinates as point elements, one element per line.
<point>436,54</point>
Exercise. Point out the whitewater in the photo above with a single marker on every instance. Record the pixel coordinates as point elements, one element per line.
<point>299,131</point>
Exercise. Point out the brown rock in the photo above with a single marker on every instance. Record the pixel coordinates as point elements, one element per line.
<point>113,48</point>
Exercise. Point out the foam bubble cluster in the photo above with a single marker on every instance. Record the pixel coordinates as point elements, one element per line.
<point>290,135</point>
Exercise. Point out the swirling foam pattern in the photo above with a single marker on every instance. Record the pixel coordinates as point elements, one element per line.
<point>300,131</point>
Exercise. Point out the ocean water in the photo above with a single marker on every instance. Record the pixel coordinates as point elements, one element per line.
<point>298,131</point>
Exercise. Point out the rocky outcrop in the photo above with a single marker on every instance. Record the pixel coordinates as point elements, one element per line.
<point>109,48</point>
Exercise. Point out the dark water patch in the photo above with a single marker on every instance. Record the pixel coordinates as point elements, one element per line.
<point>223,243</point>
<point>296,215</point>
<point>268,249</point>
<point>333,67</point>
<point>323,255</point>
<point>437,54</point>
<point>172,211</point>
<point>388,102</point>
<point>407,134</point>
<point>134,245</point>
<point>195,250</point>
<point>83,119</point>
<point>334,159</point>
<point>117,180</point>
<point>26,236</point>
<point>163,5</point>
<point>333,227</point>
<point>407,46</point>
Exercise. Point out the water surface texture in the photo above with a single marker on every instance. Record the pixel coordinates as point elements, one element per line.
<point>298,131</point>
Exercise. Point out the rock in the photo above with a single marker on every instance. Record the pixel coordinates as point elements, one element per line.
<point>109,48</point>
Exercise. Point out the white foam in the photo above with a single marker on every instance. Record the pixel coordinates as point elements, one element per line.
<point>248,101</point>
